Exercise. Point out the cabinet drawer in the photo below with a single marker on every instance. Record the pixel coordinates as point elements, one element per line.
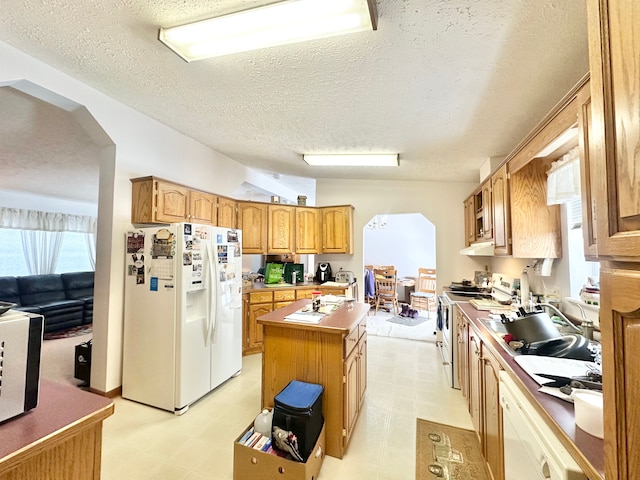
<point>362,327</point>
<point>304,293</point>
<point>260,297</point>
<point>350,341</point>
<point>277,305</point>
<point>284,295</point>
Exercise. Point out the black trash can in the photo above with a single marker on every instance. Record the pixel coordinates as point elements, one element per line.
<point>82,369</point>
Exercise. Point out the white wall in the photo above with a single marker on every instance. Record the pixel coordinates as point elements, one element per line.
<point>140,146</point>
<point>440,202</point>
<point>412,238</point>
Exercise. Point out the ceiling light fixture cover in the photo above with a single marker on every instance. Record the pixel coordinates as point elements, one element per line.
<point>352,160</point>
<point>276,24</point>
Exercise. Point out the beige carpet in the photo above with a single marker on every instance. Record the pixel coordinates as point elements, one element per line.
<point>446,452</point>
<point>58,359</point>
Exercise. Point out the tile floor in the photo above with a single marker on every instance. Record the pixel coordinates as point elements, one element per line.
<point>405,380</point>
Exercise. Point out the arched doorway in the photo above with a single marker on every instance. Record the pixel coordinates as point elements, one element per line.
<point>408,242</point>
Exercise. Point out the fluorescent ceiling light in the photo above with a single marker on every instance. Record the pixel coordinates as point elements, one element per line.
<point>564,137</point>
<point>276,24</point>
<point>352,160</point>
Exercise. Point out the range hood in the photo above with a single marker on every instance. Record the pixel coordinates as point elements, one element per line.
<point>484,249</point>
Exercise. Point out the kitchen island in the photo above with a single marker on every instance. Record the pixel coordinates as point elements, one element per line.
<point>60,438</point>
<point>586,450</point>
<point>260,298</point>
<point>331,353</point>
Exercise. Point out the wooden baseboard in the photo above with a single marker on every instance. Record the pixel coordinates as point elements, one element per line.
<point>116,392</point>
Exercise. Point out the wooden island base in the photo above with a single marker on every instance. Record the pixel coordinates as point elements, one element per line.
<point>332,353</point>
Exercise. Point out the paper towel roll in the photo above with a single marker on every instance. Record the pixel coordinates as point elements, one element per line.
<point>524,288</point>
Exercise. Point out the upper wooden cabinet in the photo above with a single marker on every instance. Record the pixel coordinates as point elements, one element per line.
<point>587,174</point>
<point>203,208</point>
<point>281,229</point>
<point>469,220</point>
<point>307,230</point>
<point>227,212</point>
<point>158,201</point>
<point>337,229</point>
<point>535,226</point>
<point>484,224</point>
<point>501,212</point>
<point>252,220</point>
<point>614,53</point>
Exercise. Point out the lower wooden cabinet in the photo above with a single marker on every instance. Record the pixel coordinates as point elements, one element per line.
<point>355,383</point>
<point>492,437</point>
<point>484,401</point>
<point>475,380</point>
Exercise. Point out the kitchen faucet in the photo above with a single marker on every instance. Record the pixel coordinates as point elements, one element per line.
<point>565,319</point>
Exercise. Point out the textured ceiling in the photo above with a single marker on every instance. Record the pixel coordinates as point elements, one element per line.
<point>447,84</point>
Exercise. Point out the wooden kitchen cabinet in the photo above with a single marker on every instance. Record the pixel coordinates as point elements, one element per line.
<point>470,220</point>
<point>203,208</point>
<point>463,353</point>
<point>614,149</point>
<point>252,220</point>
<point>535,226</point>
<point>475,380</point>
<point>260,303</point>
<point>484,224</point>
<point>337,229</point>
<point>501,212</point>
<point>308,231</point>
<point>280,229</point>
<point>492,437</point>
<point>158,201</point>
<point>227,212</point>
<point>620,334</point>
<point>282,298</point>
<point>587,174</point>
<point>614,50</point>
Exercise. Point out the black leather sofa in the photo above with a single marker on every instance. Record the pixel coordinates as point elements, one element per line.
<point>64,300</point>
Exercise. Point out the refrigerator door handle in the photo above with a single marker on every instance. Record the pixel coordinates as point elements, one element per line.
<point>213,292</point>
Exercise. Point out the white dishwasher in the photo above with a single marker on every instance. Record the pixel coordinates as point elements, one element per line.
<point>531,450</point>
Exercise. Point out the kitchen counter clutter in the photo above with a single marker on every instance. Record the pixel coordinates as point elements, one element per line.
<point>331,353</point>
<point>587,450</point>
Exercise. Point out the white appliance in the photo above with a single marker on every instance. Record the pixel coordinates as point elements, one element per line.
<point>183,313</point>
<point>531,450</point>
<point>20,347</point>
<point>447,338</point>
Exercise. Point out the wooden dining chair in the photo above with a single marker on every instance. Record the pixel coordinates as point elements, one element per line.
<point>425,293</point>
<point>386,282</point>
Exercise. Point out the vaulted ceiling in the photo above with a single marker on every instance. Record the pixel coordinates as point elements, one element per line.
<point>446,83</point>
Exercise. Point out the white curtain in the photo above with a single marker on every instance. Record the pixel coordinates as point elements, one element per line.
<point>563,182</point>
<point>46,221</point>
<point>42,234</point>
<point>41,250</point>
<point>91,248</point>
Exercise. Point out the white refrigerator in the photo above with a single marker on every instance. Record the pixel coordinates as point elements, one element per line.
<point>183,313</point>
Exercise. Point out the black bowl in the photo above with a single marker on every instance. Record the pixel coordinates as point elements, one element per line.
<point>4,306</point>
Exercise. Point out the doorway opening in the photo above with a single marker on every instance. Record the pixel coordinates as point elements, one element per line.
<point>408,242</point>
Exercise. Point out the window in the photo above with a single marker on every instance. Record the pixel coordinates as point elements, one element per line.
<point>580,269</point>
<point>73,254</point>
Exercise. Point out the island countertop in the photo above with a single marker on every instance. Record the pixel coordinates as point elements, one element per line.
<point>340,321</point>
